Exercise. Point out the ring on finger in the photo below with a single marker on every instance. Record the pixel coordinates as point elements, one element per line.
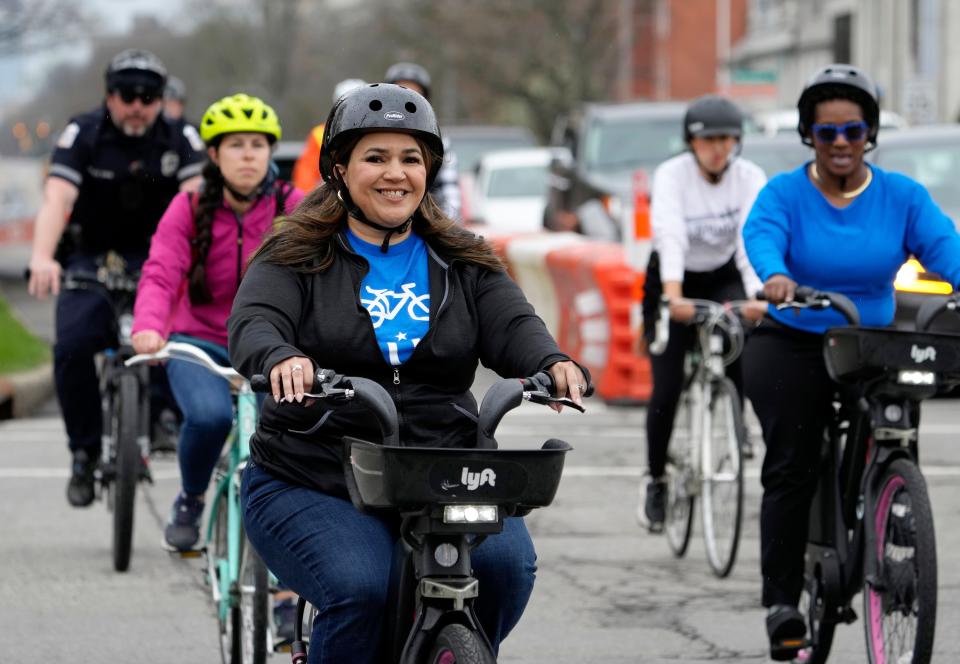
<point>297,367</point>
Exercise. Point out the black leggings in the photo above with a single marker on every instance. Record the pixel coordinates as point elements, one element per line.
<point>720,285</point>
<point>791,392</point>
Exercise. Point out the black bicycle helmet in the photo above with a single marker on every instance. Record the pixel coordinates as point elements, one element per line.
<point>712,115</point>
<point>409,71</point>
<point>371,108</point>
<point>846,81</point>
<point>137,69</point>
<point>379,107</point>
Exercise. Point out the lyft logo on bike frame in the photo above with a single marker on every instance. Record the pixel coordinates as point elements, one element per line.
<point>919,355</point>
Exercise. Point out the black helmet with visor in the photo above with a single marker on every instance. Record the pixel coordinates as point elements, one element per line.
<point>136,70</point>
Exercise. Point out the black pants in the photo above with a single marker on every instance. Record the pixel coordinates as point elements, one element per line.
<point>720,285</point>
<point>791,392</point>
<point>85,325</point>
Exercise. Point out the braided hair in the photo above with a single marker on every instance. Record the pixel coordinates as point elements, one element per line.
<point>209,200</point>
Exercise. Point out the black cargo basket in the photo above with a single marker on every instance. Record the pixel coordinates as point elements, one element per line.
<point>859,354</point>
<point>388,476</point>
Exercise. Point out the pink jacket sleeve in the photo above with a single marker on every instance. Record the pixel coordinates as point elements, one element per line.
<point>165,271</point>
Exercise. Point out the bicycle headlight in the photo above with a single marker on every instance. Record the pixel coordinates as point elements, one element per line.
<point>916,378</point>
<point>470,514</point>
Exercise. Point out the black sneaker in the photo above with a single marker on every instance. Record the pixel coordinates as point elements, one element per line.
<point>285,619</point>
<point>80,488</point>
<point>183,528</point>
<point>652,509</point>
<point>166,431</point>
<point>787,632</point>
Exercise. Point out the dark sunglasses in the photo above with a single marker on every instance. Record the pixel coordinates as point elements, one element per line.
<point>129,96</point>
<point>852,131</point>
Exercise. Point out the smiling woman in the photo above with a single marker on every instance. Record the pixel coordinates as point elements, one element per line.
<point>368,278</point>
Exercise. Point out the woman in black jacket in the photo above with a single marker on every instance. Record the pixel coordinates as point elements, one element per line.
<point>368,278</point>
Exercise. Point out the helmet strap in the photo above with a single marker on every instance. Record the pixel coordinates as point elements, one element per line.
<point>354,211</point>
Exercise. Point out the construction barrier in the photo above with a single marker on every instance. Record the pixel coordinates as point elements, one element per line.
<point>583,290</point>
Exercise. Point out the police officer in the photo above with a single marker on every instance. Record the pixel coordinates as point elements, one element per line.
<point>112,174</point>
<point>446,187</point>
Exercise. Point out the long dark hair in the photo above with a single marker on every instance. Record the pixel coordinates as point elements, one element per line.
<point>305,240</point>
<point>209,200</point>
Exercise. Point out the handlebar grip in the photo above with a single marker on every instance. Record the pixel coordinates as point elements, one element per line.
<point>260,383</point>
<point>546,380</point>
<point>932,308</point>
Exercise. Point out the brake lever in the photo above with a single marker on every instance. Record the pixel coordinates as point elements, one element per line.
<point>546,399</point>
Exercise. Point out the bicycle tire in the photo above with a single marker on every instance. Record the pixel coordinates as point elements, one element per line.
<point>124,489</point>
<point>229,625</point>
<point>721,495</point>
<point>681,501</point>
<point>906,545</point>
<point>254,604</point>
<point>455,644</point>
<point>820,632</point>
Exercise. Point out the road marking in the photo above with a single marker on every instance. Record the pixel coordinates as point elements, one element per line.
<point>64,473</point>
<point>568,471</point>
<point>750,473</point>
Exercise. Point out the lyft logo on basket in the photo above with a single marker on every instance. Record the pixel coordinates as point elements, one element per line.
<point>919,355</point>
<point>474,481</point>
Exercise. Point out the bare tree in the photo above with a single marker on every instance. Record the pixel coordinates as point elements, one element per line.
<point>543,55</point>
<point>36,24</point>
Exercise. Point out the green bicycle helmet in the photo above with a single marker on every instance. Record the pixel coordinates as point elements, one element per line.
<point>238,113</point>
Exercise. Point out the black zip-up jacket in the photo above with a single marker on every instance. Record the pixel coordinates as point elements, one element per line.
<point>475,314</point>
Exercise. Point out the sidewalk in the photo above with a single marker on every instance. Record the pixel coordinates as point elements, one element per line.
<point>23,392</point>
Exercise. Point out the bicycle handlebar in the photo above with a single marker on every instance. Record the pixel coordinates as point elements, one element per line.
<point>809,298</point>
<point>705,310</point>
<point>505,395</point>
<point>932,308</point>
<point>178,350</point>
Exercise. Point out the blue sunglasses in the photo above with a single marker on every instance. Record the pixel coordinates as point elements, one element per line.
<point>852,131</point>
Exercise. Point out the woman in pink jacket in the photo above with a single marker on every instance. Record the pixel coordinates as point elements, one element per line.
<point>188,283</point>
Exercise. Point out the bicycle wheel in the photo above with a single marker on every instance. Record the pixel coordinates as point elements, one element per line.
<point>722,485</point>
<point>681,480</point>
<point>124,489</point>
<point>254,604</point>
<point>814,607</point>
<point>900,606</point>
<point>456,644</point>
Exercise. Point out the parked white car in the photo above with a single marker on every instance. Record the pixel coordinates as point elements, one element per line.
<point>511,189</point>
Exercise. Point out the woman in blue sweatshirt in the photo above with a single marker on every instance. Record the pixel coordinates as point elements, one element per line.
<point>835,224</point>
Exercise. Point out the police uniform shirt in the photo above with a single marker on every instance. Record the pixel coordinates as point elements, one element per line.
<point>125,183</point>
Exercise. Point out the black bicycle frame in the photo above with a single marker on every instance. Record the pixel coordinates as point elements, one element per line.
<point>838,529</point>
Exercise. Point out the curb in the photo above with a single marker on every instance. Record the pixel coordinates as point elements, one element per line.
<point>23,392</point>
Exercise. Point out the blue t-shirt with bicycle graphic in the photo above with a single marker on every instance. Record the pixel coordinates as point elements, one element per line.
<point>396,294</point>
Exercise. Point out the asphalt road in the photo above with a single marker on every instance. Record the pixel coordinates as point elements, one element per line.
<point>606,591</point>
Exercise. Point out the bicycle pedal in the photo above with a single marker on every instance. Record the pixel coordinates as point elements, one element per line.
<point>787,650</point>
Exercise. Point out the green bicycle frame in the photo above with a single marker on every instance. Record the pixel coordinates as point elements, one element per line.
<point>228,488</point>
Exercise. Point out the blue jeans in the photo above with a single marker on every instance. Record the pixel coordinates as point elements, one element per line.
<point>340,560</point>
<point>207,407</point>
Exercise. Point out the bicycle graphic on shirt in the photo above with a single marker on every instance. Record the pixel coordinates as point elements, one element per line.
<point>386,304</point>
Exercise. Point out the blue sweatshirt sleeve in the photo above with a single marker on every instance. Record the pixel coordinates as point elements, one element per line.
<point>932,236</point>
<point>766,233</point>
